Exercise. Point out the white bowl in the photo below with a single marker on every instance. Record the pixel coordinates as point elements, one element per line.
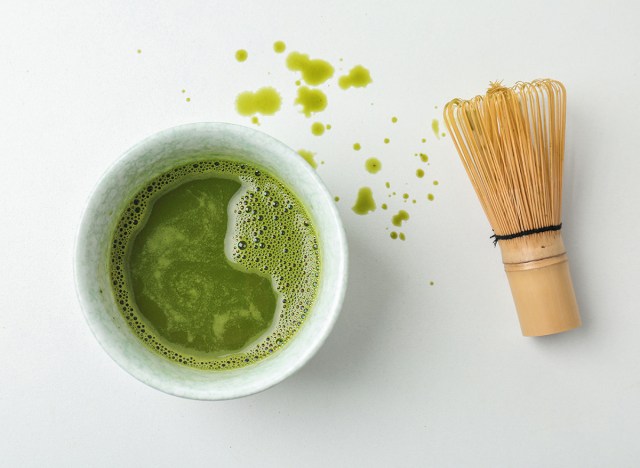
<point>153,156</point>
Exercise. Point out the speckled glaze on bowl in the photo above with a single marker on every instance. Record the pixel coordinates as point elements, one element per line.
<point>153,156</point>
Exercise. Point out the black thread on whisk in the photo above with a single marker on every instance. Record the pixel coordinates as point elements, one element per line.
<point>528,232</point>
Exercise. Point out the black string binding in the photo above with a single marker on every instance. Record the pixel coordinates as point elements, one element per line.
<point>528,232</point>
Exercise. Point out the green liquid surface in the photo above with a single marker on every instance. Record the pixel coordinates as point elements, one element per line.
<point>215,264</point>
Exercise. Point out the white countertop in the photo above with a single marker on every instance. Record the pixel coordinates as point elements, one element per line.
<point>413,374</point>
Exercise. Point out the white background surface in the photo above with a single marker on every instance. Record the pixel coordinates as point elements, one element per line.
<point>412,375</point>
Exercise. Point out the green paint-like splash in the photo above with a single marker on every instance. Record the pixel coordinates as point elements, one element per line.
<point>435,126</point>
<point>398,218</point>
<point>356,146</point>
<point>309,157</point>
<point>311,100</point>
<point>317,128</point>
<point>264,101</point>
<point>424,157</point>
<point>394,119</point>
<point>314,71</point>
<point>430,197</point>
<point>241,55</point>
<point>419,173</point>
<point>364,202</point>
<point>279,47</point>
<point>358,77</point>
<point>373,165</point>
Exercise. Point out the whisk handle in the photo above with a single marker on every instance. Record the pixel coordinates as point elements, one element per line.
<point>544,296</point>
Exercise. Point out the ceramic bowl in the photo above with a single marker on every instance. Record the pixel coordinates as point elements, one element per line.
<point>150,158</point>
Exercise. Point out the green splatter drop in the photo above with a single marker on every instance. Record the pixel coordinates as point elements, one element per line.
<point>188,99</point>
<point>435,126</point>
<point>309,157</point>
<point>387,184</point>
<point>241,55</point>
<point>373,165</point>
<point>184,91</point>
<point>265,101</point>
<point>314,71</point>
<point>298,82</point>
<point>435,182</point>
<point>279,47</point>
<point>420,173</point>
<point>358,77</point>
<point>424,157</point>
<point>364,202</point>
<point>431,283</point>
<point>443,134</point>
<point>356,146</point>
<point>328,126</point>
<point>317,128</point>
<point>384,206</point>
<point>393,234</point>
<point>311,100</point>
<point>398,218</point>
<point>430,197</point>
<point>336,198</point>
<point>386,141</point>
<point>255,120</point>
<point>424,140</point>
<point>402,237</point>
<point>394,119</point>
<point>405,195</point>
<point>139,51</point>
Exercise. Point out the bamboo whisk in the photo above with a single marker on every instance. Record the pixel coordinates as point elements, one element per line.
<point>511,143</point>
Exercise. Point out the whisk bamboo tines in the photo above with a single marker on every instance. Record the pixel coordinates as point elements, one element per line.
<point>511,143</point>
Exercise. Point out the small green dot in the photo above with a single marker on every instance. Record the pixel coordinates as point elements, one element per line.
<point>384,206</point>
<point>402,237</point>
<point>419,173</point>
<point>430,197</point>
<point>188,99</point>
<point>424,140</point>
<point>393,235</point>
<point>356,146</point>
<point>328,126</point>
<point>435,182</point>
<point>241,55</point>
<point>336,198</point>
<point>279,47</point>
<point>139,51</point>
<point>386,141</point>
<point>184,91</point>
<point>405,195</point>
<point>394,119</point>
<point>431,283</point>
<point>373,165</point>
<point>387,184</point>
<point>317,128</point>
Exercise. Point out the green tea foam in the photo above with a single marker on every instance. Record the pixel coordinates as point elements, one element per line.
<point>215,264</point>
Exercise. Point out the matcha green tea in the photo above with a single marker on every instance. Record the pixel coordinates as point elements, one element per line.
<point>215,264</point>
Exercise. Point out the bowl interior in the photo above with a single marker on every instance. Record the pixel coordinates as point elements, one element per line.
<point>153,156</point>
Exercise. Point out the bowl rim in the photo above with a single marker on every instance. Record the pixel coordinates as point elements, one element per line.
<point>340,248</point>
